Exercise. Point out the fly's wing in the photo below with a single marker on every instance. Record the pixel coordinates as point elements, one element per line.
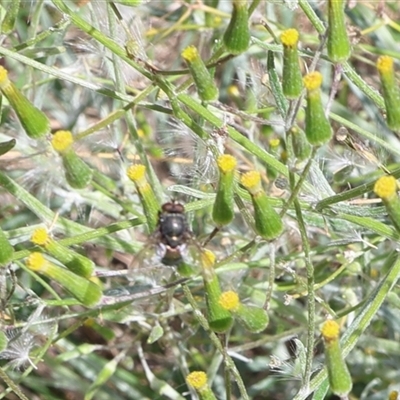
<point>191,256</point>
<point>147,266</point>
<point>145,279</point>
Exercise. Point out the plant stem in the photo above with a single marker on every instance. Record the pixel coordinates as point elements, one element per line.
<point>310,297</point>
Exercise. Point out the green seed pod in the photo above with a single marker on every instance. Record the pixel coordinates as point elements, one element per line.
<point>338,373</point>
<point>6,250</point>
<point>318,129</point>
<point>386,188</point>
<point>77,173</point>
<point>237,35</point>
<point>338,43</point>
<point>254,319</point>
<point>223,212</point>
<point>198,381</point>
<point>34,121</point>
<point>219,319</point>
<point>75,262</point>
<point>301,146</point>
<point>151,206</point>
<point>268,223</point>
<point>85,291</point>
<point>390,92</point>
<point>3,341</point>
<point>292,82</point>
<point>201,76</point>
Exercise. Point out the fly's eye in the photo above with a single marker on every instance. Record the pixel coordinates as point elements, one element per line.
<point>178,208</point>
<point>174,208</point>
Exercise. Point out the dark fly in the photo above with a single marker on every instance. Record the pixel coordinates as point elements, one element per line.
<point>172,234</point>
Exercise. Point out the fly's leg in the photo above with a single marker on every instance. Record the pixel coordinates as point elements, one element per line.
<point>211,236</point>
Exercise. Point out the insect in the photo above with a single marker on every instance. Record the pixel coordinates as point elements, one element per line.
<point>172,233</point>
<point>164,254</point>
<point>170,245</point>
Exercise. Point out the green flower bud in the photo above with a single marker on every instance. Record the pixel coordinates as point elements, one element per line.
<point>77,173</point>
<point>338,42</point>
<point>235,95</point>
<point>201,76</point>
<point>75,262</point>
<point>151,207</point>
<point>292,82</point>
<point>223,206</point>
<point>268,223</point>
<point>5,147</point>
<point>338,374</point>
<point>254,319</point>
<point>198,381</point>
<point>301,146</point>
<point>85,291</point>
<point>34,121</point>
<point>390,91</point>
<point>386,188</point>
<point>6,250</point>
<point>237,35</point>
<point>219,319</point>
<point>318,129</point>
<point>156,333</point>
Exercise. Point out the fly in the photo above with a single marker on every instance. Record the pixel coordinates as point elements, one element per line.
<point>172,233</point>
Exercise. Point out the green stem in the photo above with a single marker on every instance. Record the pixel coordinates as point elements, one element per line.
<point>11,385</point>
<point>312,16</point>
<point>356,79</point>
<point>271,276</point>
<point>253,6</point>
<point>299,184</point>
<point>310,295</point>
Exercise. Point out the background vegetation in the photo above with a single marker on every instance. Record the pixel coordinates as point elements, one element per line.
<point>114,76</point>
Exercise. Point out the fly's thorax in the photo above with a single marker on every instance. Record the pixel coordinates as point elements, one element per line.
<point>173,229</point>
